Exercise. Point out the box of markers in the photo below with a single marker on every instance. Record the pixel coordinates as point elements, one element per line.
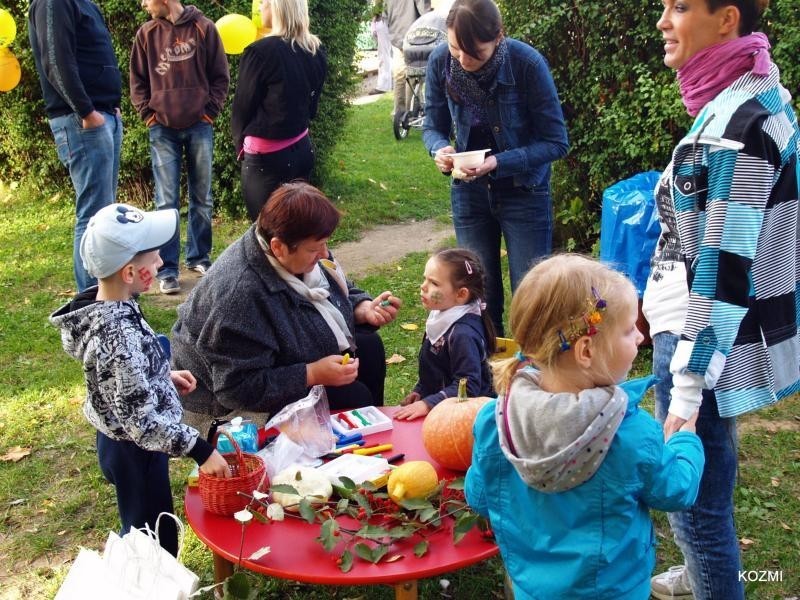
<point>364,420</point>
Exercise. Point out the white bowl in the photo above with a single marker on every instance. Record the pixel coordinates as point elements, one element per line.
<point>468,160</point>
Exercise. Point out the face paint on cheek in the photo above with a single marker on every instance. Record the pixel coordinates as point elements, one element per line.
<point>145,276</point>
<point>436,297</point>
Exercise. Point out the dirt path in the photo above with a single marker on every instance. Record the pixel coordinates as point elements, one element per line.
<point>383,245</point>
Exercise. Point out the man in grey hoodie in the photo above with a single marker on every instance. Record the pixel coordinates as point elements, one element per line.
<point>179,81</point>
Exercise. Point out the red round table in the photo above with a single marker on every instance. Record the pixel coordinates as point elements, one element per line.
<point>296,555</point>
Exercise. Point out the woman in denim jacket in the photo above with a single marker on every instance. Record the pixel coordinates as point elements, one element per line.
<point>498,93</point>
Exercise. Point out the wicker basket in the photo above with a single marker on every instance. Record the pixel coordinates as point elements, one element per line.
<point>219,495</point>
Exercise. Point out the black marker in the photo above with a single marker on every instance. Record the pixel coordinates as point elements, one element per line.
<point>395,458</point>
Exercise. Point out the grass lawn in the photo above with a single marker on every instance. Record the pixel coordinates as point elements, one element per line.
<point>55,499</point>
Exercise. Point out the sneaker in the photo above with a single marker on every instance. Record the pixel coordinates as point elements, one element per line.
<point>674,583</point>
<point>169,285</point>
<point>201,268</point>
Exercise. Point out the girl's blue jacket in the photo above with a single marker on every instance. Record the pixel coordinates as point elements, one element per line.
<point>594,541</point>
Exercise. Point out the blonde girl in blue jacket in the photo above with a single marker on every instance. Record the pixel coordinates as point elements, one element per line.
<point>565,465</point>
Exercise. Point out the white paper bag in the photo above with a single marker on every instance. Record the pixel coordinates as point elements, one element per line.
<point>133,567</point>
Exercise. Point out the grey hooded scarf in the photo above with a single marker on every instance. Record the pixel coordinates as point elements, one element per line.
<point>557,441</point>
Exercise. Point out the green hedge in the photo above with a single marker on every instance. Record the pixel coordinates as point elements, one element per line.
<point>28,151</point>
<point>621,103</point>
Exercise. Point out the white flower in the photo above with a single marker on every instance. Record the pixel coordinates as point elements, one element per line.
<point>243,516</point>
<point>259,495</point>
<point>275,512</point>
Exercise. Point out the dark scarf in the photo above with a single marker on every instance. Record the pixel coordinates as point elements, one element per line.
<point>475,89</point>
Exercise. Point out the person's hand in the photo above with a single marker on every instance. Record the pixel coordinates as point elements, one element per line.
<point>674,423</point>
<point>378,312</point>
<point>183,381</point>
<point>216,466</point>
<point>691,424</point>
<point>415,410</point>
<point>444,163</point>
<point>412,397</point>
<point>92,120</point>
<point>329,370</point>
<point>489,165</point>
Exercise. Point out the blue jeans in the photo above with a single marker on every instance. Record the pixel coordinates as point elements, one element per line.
<point>92,158</point>
<point>523,217</point>
<point>167,147</point>
<point>706,533</point>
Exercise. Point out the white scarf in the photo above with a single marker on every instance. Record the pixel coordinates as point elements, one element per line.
<point>439,321</point>
<point>315,288</point>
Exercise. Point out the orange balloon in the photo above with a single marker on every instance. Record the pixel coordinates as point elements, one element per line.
<point>10,71</point>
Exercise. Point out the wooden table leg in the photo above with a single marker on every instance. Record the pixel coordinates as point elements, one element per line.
<point>223,568</point>
<point>406,590</point>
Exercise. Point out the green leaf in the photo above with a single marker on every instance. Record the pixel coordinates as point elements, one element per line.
<point>421,549</point>
<point>341,506</point>
<point>404,531</point>
<point>372,555</point>
<point>415,504</point>
<point>307,511</point>
<point>427,514</point>
<point>372,532</point>
<point>456,484</point>
<point>283,488</point>
<point>342,492</point>
<point>237,587</point>
<point>347,483</point>
<point>464,523</point>
<point>259,517</point>
<point>328,534</point>
<point>347,561</point>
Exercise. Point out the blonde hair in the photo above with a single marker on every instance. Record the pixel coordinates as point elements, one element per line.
<point>550,298</point>
<point>290,22</point>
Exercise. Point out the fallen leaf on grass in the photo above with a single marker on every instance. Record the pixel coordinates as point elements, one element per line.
<point>15,454</point>
<point>410,326</point>
<point>776,482</point>
<point>394,359</point>
<point>745,543</point>
<point>17,502</point>
<point>383,186</point>
<point>503,252</point>
<point>62,532</point>
<point>785,526</point>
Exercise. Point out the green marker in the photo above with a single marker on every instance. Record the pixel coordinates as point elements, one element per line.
<point>357,414</point>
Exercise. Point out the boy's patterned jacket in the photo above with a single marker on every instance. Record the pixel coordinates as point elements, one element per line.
<point>735,199</point>
<point>129,392</point>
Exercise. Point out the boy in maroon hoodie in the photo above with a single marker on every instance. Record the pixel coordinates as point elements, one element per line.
<point>179,81</point>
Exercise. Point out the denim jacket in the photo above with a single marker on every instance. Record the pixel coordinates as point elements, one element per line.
<point>525,115</point>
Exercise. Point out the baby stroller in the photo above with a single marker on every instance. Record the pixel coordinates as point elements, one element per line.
<point>427,32</point>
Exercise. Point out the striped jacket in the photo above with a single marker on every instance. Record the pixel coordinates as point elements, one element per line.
<point>735,198</point>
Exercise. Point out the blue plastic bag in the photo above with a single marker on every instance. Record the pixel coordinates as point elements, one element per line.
<point>629,227</point>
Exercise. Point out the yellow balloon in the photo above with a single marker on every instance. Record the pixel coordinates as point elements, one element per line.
<point>236,31</point>
<point>8,29</point>
<point>255,10</point>
<point>10,71</point>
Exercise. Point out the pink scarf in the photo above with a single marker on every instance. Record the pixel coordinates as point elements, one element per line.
<point>714,68</point>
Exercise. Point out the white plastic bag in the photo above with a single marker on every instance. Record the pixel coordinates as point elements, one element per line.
<point>307,422</point>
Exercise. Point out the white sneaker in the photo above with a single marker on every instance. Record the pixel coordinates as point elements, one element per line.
<point>672,584</point>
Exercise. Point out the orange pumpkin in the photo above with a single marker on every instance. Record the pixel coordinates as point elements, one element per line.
<point>447,431</point>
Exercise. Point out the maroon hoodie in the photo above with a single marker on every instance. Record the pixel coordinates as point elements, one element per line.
<point>179,71</point>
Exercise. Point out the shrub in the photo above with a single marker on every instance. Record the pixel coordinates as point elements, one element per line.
<point>621,103</point>
<point>28,151</point>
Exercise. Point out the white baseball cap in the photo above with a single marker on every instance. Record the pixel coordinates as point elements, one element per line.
<point>118,232</point>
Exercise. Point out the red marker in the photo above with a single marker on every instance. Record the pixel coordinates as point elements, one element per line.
<point>343,418</point>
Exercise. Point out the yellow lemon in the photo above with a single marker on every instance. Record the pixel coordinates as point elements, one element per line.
<point>414,479</point>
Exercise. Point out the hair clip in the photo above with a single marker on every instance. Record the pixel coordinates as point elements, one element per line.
<point>520,356</point>
<point>585,324</point>
<point>564,343</point>
<point>468,266</point>
<point>482,305</point>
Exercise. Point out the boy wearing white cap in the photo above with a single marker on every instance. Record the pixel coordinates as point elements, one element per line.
<point>132,396</point>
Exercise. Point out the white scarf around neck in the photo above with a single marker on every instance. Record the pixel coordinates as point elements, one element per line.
<point>315,288</point>
<point>439,321</point>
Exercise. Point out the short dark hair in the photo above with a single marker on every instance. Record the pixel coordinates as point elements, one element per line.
<point>295,212</point>
<point>750,12</point>
<point>474,22</point>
